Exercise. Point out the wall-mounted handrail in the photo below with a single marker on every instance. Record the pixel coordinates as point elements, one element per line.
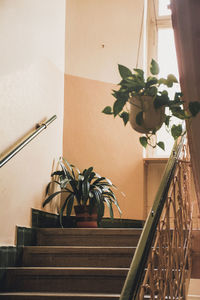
<point>19,147</point>
<point>137,267</point>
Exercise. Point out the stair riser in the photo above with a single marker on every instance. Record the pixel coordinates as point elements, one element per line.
<point>62,283</point>
<point>95,237</point>
<point>57,297</point>
<point>120,260</point>
<point>87,241</point>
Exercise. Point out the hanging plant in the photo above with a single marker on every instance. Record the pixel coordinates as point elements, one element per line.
<point>149,104</point>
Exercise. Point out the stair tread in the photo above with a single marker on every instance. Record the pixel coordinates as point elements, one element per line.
<point>78,247</point>
<point>60,294</point>
<point>91,230</point>
<point>67,268</point>
<point>72,249</point>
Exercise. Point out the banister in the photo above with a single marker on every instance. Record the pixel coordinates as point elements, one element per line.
<point>19,147</point>
<point>137,266</point>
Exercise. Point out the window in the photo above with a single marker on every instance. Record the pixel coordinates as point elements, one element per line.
<point>161,47</point>
<point>163,8</point>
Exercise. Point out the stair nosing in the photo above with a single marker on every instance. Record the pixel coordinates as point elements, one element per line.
<point>66,268</point>
<point>60,294</point>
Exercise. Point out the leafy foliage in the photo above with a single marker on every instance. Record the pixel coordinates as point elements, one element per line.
<point>134,84</point>
<point>86,188</point>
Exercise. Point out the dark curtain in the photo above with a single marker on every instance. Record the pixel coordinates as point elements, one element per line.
<point>186,25</point>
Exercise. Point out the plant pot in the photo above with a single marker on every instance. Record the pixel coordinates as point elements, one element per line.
<point>152,119</point>
<point>84,219</point>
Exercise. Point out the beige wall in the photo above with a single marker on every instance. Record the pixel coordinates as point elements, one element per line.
<point>31,90</point>
<point>99,35</point>
<point>94,139</point>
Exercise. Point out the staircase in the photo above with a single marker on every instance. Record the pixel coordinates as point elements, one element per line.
<point>73,264</point>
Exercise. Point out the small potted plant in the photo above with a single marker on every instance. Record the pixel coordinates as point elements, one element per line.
<point>149,104</point>
<point>86,191</point>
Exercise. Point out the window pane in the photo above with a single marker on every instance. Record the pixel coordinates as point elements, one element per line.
<point>167,52</point>
<point>168,65</point>
<point>163,8</point>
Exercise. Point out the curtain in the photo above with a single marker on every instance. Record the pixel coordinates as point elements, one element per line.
<point>186,25</point>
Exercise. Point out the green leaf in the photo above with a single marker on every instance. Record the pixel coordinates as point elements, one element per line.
<point>124,71</point>
<point>98,201</point>
<point>121,95</point>
<point>110,195</point>
<point>92,176</point>
<point>139,72</point>
<point>152,91</point>
<point>85,191</point>
<point>125,116</point>
<point>48,186</point>
<point>62,210</point>
<point>194,108</point>
<point>109,204</point>
<point>178,112</point>
<point>167,119</point>
<point>139,118</point>
<point>74,184</point>
<point>57,173</point>
<point>162,81</point>
<point>151,81</point>
<point>143,141</point>
<point>118,106</point>
<point>177,96</point>
<point>161,100</point>
<point>107,110</point>
<point>101,209</point>
<point>70,204</point>
<point>51,197</point>
<point>176,131</point>
<point>161,145</point>
<point>154,68</point>
<point>98,180</point>
<point>171,79</point>
<point>88,172</point>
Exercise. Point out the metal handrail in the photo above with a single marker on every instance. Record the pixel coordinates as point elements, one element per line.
<point>19,147</point>
<point>139,261</point>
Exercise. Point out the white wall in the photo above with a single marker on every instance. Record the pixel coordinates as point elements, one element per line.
<point>101,34</point>
<point>32,55</point>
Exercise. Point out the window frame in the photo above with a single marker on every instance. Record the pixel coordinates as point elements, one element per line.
<point>153,24</point>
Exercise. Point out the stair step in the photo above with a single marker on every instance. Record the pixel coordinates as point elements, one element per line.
<point>71,280</point>
<point>88,237</point>
<point>77,256</point>
<point>60,296</point>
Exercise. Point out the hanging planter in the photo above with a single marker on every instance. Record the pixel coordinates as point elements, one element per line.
<point>142,111</point>
<point>148,102</point>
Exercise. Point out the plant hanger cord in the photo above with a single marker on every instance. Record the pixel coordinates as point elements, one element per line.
<point>155,15</point>
<point>140,37</point>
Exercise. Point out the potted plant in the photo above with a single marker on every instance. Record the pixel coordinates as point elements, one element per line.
<point>149,104</point>
<point>88,190</point>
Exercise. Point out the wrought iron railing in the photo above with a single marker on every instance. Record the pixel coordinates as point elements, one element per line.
<point>16,149</point>
<point>161,265</point>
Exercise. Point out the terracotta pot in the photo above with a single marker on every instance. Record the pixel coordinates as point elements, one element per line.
<point>84,218</point>
<point>152,118</point>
